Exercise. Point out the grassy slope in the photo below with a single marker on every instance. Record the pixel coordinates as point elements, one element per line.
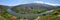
<point>55,15</point>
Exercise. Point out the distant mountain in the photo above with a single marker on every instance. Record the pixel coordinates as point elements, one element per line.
<point>32,7</point>
<point>4,7</point>
<point>35,6</point>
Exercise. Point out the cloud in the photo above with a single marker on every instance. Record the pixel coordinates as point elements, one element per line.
<point>12,4</point>
<point>46,3</point>
<point>31,2</point>
<point>38,2</point>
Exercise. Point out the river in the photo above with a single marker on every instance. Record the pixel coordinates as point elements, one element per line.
<point>27,15</point>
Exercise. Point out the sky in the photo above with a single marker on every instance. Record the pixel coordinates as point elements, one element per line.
<point>18,2</point>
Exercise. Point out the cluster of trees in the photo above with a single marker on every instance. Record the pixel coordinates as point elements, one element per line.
<point>4,13</point>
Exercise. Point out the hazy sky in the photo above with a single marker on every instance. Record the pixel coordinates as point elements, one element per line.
<point>17,2</point>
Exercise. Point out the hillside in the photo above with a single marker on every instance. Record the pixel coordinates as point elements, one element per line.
<point>3,13</point>
<point>32,8</point>
<point>55,15</point>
